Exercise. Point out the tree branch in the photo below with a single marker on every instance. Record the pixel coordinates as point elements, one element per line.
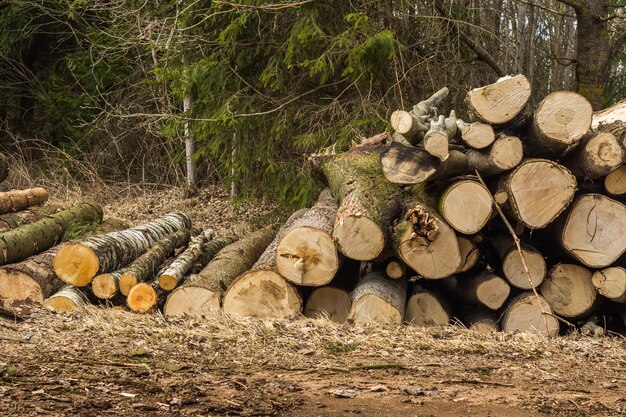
<point>576,4</point>
<point>481,52</point>
<point>617,44</point>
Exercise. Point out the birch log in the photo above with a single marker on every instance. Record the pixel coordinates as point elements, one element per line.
<point>174,274</point>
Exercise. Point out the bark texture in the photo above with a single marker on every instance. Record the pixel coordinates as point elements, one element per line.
<point>10,221</point>
<point>171,276</point>
<point>16,200</point>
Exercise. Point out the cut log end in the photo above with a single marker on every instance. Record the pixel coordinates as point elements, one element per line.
<point>562,118</point>
<point>15,285</point>
<point>425,309</point>
<point>358,237</point>
<point>437,145</point>
<point>328,302</point>
<point>611,283</point>
<point>261,294</point>
<point>477,135</point>
<point>514,271</point>
<point>76,264</point>
<point>395,269</point>
<point>615,182</point>
<point>500,102</point>
<point>127,282</point>
<point>141,298</point>
<point>167,282</point>
<point>492,291</point>
<point>466,206</point>
<point>569,290</point>
<point>66,300</point>
<point>104,286</point>
<point>370,308</point>
<point>526,314</point>
<point>192,301</point>
<point>307,256</point>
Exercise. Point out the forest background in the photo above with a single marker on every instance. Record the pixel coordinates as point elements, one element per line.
<point>123,90</point>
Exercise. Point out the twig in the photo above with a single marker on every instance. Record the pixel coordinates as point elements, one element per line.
<point>475,381</point>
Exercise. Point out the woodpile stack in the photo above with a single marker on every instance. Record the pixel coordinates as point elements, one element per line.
<point>511,218</point>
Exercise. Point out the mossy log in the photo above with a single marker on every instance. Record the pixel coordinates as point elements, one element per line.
<point>34,278</point>
<point>538,190</point>
<point>147,264</point>
<point>16,200</point>
<point>476,135</point>
<point>9,221</point>
<point>513,267</point>
<point>66,299</point>
<point>594,230</point>
<point>569,290</point>
<point>78,262</point>
<point>426,308</point>
<point>262,291</point>
<point>368,202</point>
<point>306,253</point>
<point>31,239</point>
<point>529,312</point>
<point>200,295</point>
<point>503,155</point>
<point>499,103</point>
<point>559,123</point>
<point>4,167</point>
<point>173,275</point>
<point>378,299</point>
<point>425,242</point>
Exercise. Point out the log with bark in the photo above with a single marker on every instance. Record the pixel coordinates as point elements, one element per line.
<point>11,221</point>
<point>569,290</point>
<point>466,205</point>
<point>597,156</point>
<point>513,269</point>
<point>201,294</point>
<point>482,321</point>
<point>66,299</point>
<point>537,191</point>
<point>329,302</point>
<point>404,164</point>
<point>78,262</point>
<point>425,242</point>
<point>16,200</point>
<point>411,125</point>
<point>437,139</point>
<point>611,283</point>
<point>476,135</point>
<point>594,231</point>
<point>34,278</point>
<point>499,103</point>
<point>31,239</point>
<point>395,268</point>
<point>306,254</point>
<point>503,155</point>
<point>378,299</point>
<point>484,289</point>
<point>173,275</point>
<point>262,291</point>
<point>426,308</point>
<point>368,202</point>
<point>559,123</point>
<point>529,312</point>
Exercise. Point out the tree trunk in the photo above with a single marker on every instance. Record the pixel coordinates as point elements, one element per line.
<point>190,146</point>
<point>437,139</point>
<point>16,200</point>
<point>31,239</point>
<point>328,302</point>
<point>569,290</point>
<point>173,275</point>
<point>615,182</point>
<point>500,102</point>
<point>513,267</point>
<point>594,230</point>
<point>4,167</point>
<point>611,283</point>
<point>378,299</point>
<point>201,294</point>
<point>78,262</point>
<point>559,122</point>
<point>404,164</point>
<point>67,299</point>
<point>425,309</point>
<point>504,154</point>
<point>466,205</point>
<point>476,135</point>
<point>538,191</point>
<point>306,253</point>
<point>526,313</point>
<point>261,291</point>
<point>368,202</point>
<point>147,264</point>
<point>107,286</point>
<point>10,221</point>
<point>597,156</point>
<point>426,243</point>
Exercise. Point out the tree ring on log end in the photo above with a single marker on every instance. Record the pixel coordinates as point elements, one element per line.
<point>358,237</point>
<point>15,285</point>
<point>76,264</point>
<point>141,298</point>
<point>192,301</point>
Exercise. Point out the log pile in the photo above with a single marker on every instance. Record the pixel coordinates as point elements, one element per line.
<point>508,217</point>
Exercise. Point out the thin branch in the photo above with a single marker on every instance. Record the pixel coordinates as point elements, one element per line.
<point>545,8</point>
<point>576,4</point>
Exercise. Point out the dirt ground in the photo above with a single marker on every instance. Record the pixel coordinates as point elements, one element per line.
<point>101,361</point>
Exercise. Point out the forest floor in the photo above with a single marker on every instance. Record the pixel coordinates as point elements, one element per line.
<point>102,361</point>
